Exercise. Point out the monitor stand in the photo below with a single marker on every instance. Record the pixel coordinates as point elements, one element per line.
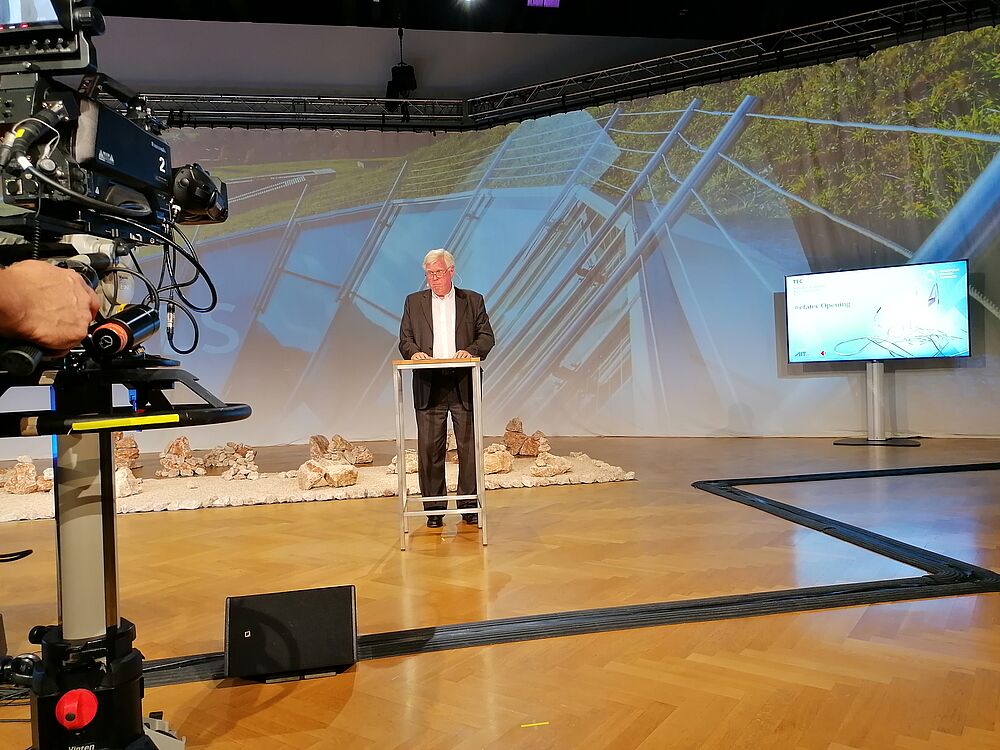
<point>876,413</point>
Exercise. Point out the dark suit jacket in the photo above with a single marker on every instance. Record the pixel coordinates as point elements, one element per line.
<point>473,333</point>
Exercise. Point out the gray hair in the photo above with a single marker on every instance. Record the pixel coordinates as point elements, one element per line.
<point>440,254</point>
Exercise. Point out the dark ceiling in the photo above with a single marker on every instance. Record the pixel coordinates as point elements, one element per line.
<point>685,19</point>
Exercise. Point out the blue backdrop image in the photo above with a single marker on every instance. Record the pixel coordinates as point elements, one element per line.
<point>632,256</point>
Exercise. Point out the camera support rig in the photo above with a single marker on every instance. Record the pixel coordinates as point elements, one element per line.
<point>72,167</point>
<point>86,690</point>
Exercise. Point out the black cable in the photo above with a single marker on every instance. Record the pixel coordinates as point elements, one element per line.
<point>14,556</point>
<point>194,327</point>
<point>163,266</point>
<point>192,258</point>
<point>194,253</point>
<point>36,233</point>
<point>178,663</point>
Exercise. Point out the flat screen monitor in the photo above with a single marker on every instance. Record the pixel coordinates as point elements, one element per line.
<point>912,311</point>
<point>25,13</point>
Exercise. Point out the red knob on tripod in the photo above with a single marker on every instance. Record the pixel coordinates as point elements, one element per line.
<point>76,709</point>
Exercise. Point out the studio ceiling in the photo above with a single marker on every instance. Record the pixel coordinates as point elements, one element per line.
<point>663,19</point>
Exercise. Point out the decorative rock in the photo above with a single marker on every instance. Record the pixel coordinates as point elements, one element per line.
<point>520,444</point>
<point>496,460</point>
<point>177,458</point>
<point>547,465</point>
<point>126,450</point>
<point>338,443</point>
<point>359,454</point>
<point>339,448</point>
<point>126,483</point>
<point>411,463</point>
<point>23,478</point>
<point>325,472</point>
<point>238,458</point>
<point>318,446</point>
<point>451,448</point>
<point>45,481</point>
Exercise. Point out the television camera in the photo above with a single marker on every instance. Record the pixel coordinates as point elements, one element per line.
<point>90,187</point>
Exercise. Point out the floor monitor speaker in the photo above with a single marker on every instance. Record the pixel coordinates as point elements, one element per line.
<point>291,634</point>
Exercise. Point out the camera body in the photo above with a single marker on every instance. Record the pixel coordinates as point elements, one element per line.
<point>73,166</point>
<point>67,157</point>
<point>91,151</point>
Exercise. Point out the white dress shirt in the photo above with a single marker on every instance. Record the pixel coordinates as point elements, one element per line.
<point>443,318</point>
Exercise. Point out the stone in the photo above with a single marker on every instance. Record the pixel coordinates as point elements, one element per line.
<point>23,478</point>
<point>359,454</point>
<point>324,472</point>
<point>178,447</point>
<point>318,445</point>
<point>178,458</point>
<point>338,443</point>
<point>126,483</point>
<point>126,450</point>
<point>520,444</point>
<point>547,465</point>
<point>497,460</point>
<point>411,463</point>
<point>344,475</point>
<point>237,458</point>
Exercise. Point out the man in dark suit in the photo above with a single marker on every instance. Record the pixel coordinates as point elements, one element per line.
<point>444,322</point>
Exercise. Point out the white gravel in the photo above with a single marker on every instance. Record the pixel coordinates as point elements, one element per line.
<point>189,493</point>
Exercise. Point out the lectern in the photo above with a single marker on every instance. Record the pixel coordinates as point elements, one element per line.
<point>398,366</point>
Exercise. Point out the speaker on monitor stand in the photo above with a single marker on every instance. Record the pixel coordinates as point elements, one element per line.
<point>404,78</point>
<point>291,634</point>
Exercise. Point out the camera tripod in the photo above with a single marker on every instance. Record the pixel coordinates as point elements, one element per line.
<point>87,687</point>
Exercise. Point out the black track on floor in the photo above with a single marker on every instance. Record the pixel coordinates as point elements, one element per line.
<point>945,576</point>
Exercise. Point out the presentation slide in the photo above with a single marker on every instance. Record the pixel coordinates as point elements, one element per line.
<point>896,312</point>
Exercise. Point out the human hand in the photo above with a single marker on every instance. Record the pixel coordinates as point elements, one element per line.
<point>45,305</point>
<point>462,354</point>
<point>420,355</point>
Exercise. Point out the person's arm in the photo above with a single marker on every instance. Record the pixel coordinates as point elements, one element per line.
<point>45,305</point>
<point>484,339</point>
<point>407,342</point>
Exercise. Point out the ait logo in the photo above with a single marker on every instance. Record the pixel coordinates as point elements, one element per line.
<point>106,157</point>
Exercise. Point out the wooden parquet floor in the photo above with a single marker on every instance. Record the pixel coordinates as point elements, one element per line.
<point>912,675</point>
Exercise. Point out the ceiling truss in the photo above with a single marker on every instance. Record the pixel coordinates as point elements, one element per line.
<point>854,36</point>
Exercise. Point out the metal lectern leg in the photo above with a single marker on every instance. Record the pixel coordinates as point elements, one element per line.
<point>477,421</point>
<point>397,378</point>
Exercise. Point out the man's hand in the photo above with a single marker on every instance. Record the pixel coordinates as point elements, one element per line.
<point>45,305</point>
<point>420,355</point>
<point>462,354</point>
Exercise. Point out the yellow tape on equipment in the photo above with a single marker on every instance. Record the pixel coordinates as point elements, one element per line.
<point>111,424</point>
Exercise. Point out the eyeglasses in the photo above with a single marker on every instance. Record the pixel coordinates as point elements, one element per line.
<point>437,274</point>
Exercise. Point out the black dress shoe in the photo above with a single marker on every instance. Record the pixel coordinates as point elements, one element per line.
<point>471,518</point>
<point>435,522</point>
